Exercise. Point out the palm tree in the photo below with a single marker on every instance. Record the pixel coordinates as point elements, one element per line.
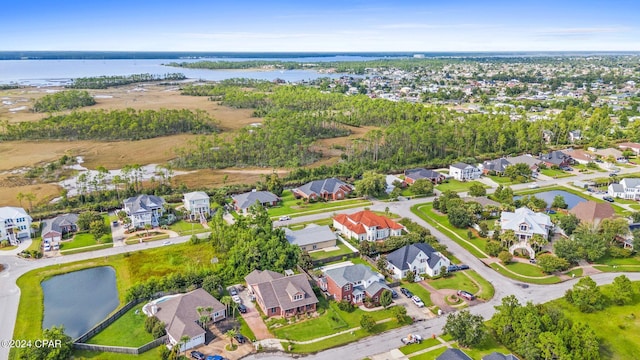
<point>227,301</point>
<point>183,341</point>
<point>20,197</point>
<point>147,227</point>
<point>231,333</point>
<point>538,241</point>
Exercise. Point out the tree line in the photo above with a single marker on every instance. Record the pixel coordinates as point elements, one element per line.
<point>128,124</point>
<point>64,100</point>
<point>103,82</point>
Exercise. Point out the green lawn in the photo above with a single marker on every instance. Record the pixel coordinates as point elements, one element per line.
<point>130,269</point>
<point>431,355</point>
<point>526,269</point>
<point>245,329</point>
<point>617,326</point>
<point>541,280</point>
<point>344,339</point>
<point>425,344</point>
<point>321,254</point>
<point>419,291</point>
<point>79,240</point>
<point>504,180</point>
<point>302,225</point>
<point>153,354</point>
<point>617,268</point>
<point>555,173</point>
<point>577,272</point>
<point>86,248</point>
<point>487,290</point>
<point>457,186</point>
<point>457,281</point>
<point>488,346</point>
<point>426,213</point>
<point>332,321</point>
<point>187,228</point>
<point>292,206</point>
<point>128,330</point>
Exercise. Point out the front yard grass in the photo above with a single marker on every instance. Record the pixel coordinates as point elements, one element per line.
<point>425,344</point>
<point>430,355</point>
<point>502,180</point>
<point>486,288</point>
<point>534,280</point>
<point>128,330</point>
<point>332,321</point>
<point>419,291</point>
<point>321,254</point>
<point>153,354</point>
<point>78,241</point>
<point>296,207</point>
<point>457,186</point>
<point>555,173</point>
<point>187,228</point>
<point>456,281</point>
<point>302,225</point>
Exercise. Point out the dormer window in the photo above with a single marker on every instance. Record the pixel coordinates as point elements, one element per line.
<point>297,297</point>
<point>523,227</point>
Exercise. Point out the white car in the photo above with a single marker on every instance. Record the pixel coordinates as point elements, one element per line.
<point>166,243</point>
<point>236,299</point>
<point>416,300</point>
<point>285,218</point>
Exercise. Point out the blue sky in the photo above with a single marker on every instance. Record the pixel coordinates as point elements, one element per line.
<point>346,26</point>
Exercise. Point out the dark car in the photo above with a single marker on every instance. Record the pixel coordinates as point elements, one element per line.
<point>463,267</point>
<point>406,292</point>
<point>242,308</point>
<point>241,339</point>
<point>197,355</point>
<point>612,174</point>
<point>452,268</point>
<point>607,198</point>
<point>394,294</point>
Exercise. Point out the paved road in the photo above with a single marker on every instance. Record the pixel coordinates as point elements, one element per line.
<point>10,293</point>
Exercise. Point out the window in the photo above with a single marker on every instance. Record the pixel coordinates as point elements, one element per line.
<point>273,310</point>
<point>298,297</point>
<point>347,287</point>
<point>315,247</point>
<point>523,227</point>
<point>423,260</point>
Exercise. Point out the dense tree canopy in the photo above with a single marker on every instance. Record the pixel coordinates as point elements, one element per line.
<point>63,100</point>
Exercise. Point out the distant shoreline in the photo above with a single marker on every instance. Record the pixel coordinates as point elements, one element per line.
<point>186,55</point>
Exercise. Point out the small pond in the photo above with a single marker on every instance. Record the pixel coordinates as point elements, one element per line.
<point>571,199</point>
<point>79,300</point>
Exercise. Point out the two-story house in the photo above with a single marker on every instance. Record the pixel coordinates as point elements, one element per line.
<point>421,258</point>
<point>279,295</point>
<point>353,283</point>
<point>525,223</point>
<point>197,205</point>
<point>15,224</point>
<point>366,225</point>
<point>628,188</point>
<point>464,172</point>
<point>327,189</point>
<point>144,210</point>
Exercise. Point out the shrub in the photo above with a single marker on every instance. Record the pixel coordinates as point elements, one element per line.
<point>345,305</point>
<point>505,257</point>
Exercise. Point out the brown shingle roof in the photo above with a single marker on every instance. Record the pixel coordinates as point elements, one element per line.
<point>592,212</point>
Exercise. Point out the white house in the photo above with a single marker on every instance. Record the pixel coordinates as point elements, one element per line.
<point>525,223</point>
<point>463,172</point>
<point>15,224</point>
<point>144,209</point>
<point>628,188</point>
<point>419,257</point>
<point>366,225</point>
<point>197,204</point>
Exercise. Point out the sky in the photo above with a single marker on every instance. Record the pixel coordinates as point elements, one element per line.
<point>321,26</point>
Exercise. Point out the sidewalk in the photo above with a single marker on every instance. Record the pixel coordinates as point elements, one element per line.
<point>23,246</point>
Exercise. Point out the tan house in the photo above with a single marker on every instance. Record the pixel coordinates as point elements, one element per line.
<point>279,295</point>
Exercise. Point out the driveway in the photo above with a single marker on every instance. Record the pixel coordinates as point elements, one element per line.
<point>412,309</point>
<point>217,347</point>
<point>253,318</point>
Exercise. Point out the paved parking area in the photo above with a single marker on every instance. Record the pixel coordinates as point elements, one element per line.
<point>253,318</point>
<point>412,309</point>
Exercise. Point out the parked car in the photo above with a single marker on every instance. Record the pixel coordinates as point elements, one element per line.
<point>416,300</point>
<point>534,186</point>
<point>612,174</point>
<point>233,291</point>
<point>242,308</point>
<point>411,339</point>
<point>452,268</point>
<point>466,295</point>
<point>197,355</point>
<point>406,292</point>
<point>463,267</point>
<point>115,223</point>
<point>285,218</point>
<point>533,261</point>
<point>241,339</point>
<point>166,243</point>
<point>607,198</point>
<point>215,357</point>
<point>394,294</point>
<point>236,299</point>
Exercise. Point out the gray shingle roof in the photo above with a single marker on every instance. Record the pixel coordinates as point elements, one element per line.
<point>259,276</point>
<point>180,313</point>
<point>453,354</point>
<point>143,203</point>
<point>422,173</point>
<point>319,187</point>
<point>196,195</point>
<point>460,165</point>
<point>310,235</point>
<point>245,200</point>
<point>496,165</point>
<point>58,222</point>
<point>499,356</point>
<point>350,274</point>
<point>402,257</point>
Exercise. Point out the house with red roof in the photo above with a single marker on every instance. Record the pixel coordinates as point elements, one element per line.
<point>366,225</point>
